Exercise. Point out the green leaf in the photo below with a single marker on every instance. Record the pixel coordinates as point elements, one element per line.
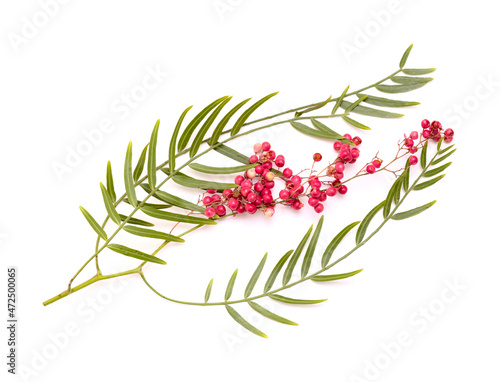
<point>276,270</point>
<point>135,221</point>
<point>390,197</point>
<point>405,57</point>
<point>398,88</point>
<point>306,263</point>
<point>413,212</point>
<point>441,152</point>
<point>153,212</point>
<point>406,176</point>
<point>339,276</point>
<point>315,107</point>
<point>339,100</point>
<point>295,257</point>
<point>360,234</point>
<point>363,110</point>
<point>289,300</point>
<point>335,242</point>
<point>172,199</point>
<point>354,123</point>
<point>418,72</point>
<point>386,102</point>
<point>436,171</point>
<point>230,285</point>
<point>439,143</point>
<point>242,119</point>
<point>97,228</point>
<point>240,320</point>
<point>152,156</point>
<point>191,127</point>
<point>221,170</point>
<point>187,181</point>
<point>152,205</point>
<point>429,183</point>
<point>110,208</point>
<point>304,129</point>
<point>139,167</point>
<point>255,277</point>
<point>439,160</point>
<point>231,153</point>
<point>144,232</point>
<point>129,181</point>
<point>423,155</point>
<point>354,104</point>
<point>123,250</point>
<point>223,122</point>
<point>334,135</point>
<point>266,313</point>
<point>208,290</point>
<point>173,140</point>
<point>404,80</point>
<point>198,139</point>
<point>397,190</point>
<point>109,182</point>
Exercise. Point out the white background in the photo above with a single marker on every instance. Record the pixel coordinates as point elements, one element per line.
<point>61,80</point>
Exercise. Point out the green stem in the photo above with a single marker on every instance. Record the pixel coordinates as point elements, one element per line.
<point>267,294</point>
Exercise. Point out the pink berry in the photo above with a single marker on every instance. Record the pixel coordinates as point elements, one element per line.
<point>357,141</point>
<point>233,203</point>
<point>271,155</point>
<point>337,145</point>
<point>426,134</point>
<point>279,161</point>
<point>343,189</point>
<point>377,163</point>
<point>259,169</point>
<point>315,183</point>
<point>269,176</point>
<point>370,169</point>
<point>345,155</point>
<point>269,212</point>
<point>317,157</point>
<point>313,202</point>
<point>220,210</point>
<point>238,179</point>
<point>209,212</point>
<point>250,208</point>
<point>296,180</point>
<point>216,198</point>
<point>322,197</point>
<point>284,194</point>
<point>413,160</point>
<point>246,183</point>
<point>207,200</point>
<point>211,191</point>
<point>297,205</point>
<point>338,175</point>
<point>414,135</point>
<point>425,124</point>
<point>266,146</point>
<point>315,192</point>
<point>339,167</point>
<point>270,184</point>
<point>409,142</point>
<point>413,149</point>
<point>258,201</point>
<point>348,136</point>
<point>257,148</point>
<point>245,191</point>
<point>355,153</point>
<point>266,191</point>
<point>319,208</point>
<point>241,209</point>
<point>331,191</point>
<point>267,165</point>
<point>436,125</point>
<point>251,197</point>
<point>251,173</point>
<point>253,159</point>
<point>267,198</point>
<point>287,173</point>
<point>227,193</point>
<point>258,187</point>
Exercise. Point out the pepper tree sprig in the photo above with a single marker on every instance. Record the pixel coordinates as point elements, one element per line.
<point>179,148</point>
<point>389,207</point>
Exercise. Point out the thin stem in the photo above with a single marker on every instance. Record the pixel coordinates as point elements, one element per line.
<point>267,294</point>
